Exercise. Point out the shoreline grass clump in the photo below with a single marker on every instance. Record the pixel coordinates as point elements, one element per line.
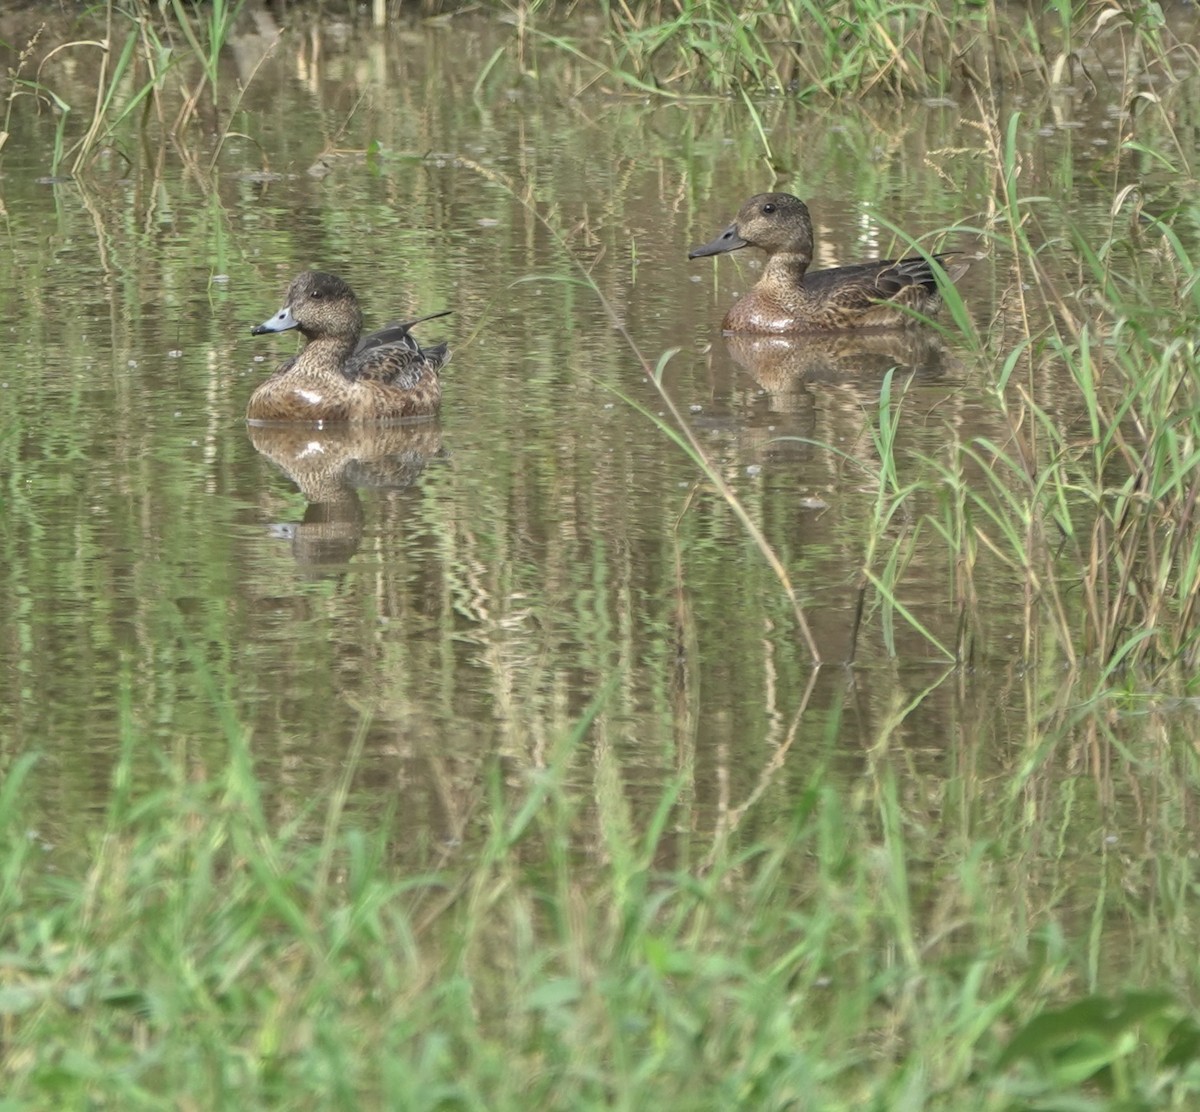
<point>206,947</point>
<point>146,67</point>
<point>858,48</point>
<point>1115,485</point>
<point>1090,513</point>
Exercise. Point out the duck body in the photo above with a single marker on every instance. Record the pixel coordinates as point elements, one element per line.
<point>787,299</point>
<point>341,375</point>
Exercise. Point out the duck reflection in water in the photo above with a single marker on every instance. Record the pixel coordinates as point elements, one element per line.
<point>779,364</point>
<point>330,466</point>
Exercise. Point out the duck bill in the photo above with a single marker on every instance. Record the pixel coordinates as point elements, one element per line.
<point>280,322</point>
<point>728,240</point>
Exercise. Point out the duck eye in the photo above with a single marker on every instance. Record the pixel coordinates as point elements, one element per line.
<point>314,293</point>
<point>768,209</point>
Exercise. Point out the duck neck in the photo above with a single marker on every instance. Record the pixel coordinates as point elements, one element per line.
<point>787,267</point>
<point>330,351</point>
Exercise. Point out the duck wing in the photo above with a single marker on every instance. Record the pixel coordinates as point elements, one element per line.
<point>392,355</point>
<point>862,284</point>
<point>398,333</point>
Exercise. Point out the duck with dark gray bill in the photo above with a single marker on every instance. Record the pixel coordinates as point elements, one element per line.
<point>789,299</point>
<point>341,375</point>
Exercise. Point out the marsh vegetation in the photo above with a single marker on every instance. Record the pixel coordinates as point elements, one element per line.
<point>679,721</point>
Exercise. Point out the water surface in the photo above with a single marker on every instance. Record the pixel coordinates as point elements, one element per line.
<point>457,595</point>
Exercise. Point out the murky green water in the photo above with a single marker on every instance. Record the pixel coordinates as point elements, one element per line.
<point>456,593</point>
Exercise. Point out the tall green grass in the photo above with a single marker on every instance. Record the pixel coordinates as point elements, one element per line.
<point>144,66</point>
<point>1092,510</point>
<point>857,47</point>
<point>161,62</point>
<point>208,947</point>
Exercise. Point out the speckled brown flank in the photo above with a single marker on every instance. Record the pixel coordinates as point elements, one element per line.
<point>788,299</point>
<point>385,376</point>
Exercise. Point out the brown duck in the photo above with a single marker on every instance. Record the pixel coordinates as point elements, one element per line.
<point>788,299</point>
<point>337,376</point>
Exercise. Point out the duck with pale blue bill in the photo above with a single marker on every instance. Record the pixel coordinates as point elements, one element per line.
<point>341,375</point>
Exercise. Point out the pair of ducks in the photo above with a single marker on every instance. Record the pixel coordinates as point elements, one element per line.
<point>387,375</point>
